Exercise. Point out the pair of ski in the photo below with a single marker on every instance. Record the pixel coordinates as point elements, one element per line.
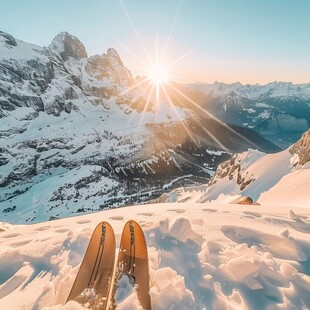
<point>96,283</point>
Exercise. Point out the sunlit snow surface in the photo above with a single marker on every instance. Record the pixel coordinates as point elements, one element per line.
<point>201,256</point>
<point>272,179</point>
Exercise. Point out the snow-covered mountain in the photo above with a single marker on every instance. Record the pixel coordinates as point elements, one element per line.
<point>74,138</point>
<point>51,79</point>
<point>280,111</point>
<point>275,179</point>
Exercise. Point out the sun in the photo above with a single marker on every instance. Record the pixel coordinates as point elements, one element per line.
<point>158,73</point>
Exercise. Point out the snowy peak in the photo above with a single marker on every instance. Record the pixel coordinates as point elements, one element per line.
<point>273,89</point>
<point>7,39</point>
<point>68,46</point>
<point>108,65</point>
<point>302,149</point>
<point>52,79</point>
<point>112,54</point>
<point>18,51</point>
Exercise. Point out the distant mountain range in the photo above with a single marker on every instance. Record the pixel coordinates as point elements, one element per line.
<point>279,111</point>
<point>74,137</point>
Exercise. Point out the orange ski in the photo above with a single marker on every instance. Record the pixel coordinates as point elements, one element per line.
<point>93,281</point>
<point>133,263</point>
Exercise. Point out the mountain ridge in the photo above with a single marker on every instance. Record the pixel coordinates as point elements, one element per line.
<point>279,111</point>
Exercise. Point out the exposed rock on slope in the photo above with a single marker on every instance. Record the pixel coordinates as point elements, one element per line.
<point>234,167</point>
<point>302,149</point>
<point>262,176</point>
<point>277,179</point>
<point>68,46</point>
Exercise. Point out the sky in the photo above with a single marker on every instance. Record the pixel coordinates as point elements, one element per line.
<point>251,41</point>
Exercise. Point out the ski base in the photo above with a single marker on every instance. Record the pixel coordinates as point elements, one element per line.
<point>133,262</point>
<point>94,279</point>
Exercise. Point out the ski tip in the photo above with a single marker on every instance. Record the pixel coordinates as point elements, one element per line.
<point>135,225</point>
<point>105,224</point>
<point>132,222</point>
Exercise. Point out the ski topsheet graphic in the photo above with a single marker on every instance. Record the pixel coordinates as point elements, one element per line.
<point>133,263</point>
<point>93,281</point>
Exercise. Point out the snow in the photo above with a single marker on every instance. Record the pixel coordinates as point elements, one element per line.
<point>211,152</point>
<point>168,185</point>
<point>272,178</point>
<point>264,115</point>
<point>250,110</point>
<point>292,189</point>
<point>77,67</point>
<point>126,294</point>
<point>41,192</point>
<point>21,52</point>
<point>201,256</point>
<point>58,42</point>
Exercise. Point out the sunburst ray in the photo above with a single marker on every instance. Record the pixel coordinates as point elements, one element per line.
<point>171,64</point>
<point>135,30</point>
<point>136,85</point>
<point>148,100</point>
<point>212,116</point>
<point>164,52</point>
<point>178,116</point>
<point>124,46</point>
<point>214,138</point>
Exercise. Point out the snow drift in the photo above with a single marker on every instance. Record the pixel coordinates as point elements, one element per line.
<point>201,256</point>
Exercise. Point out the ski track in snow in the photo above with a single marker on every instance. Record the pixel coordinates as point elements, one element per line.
<point>210,256</point>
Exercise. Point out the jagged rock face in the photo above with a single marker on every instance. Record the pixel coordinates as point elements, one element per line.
<point>25,73</point>
<point>302,149</point>
<point>234,167</point>
<point>68,46</point>
<point>106,68</point>
<point>8,39</point>
<point>98,67</point>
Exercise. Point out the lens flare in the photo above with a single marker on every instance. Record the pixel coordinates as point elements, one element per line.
<point>158,73</point>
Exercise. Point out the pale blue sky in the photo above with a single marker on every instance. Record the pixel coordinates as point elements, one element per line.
<point>246,40</point>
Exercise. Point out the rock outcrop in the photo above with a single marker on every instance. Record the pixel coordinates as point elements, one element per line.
<point>68,46</point>
<point>302,149</point>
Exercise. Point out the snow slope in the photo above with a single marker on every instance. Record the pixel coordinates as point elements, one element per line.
<point>278,179</point>
<point>202,256</point>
